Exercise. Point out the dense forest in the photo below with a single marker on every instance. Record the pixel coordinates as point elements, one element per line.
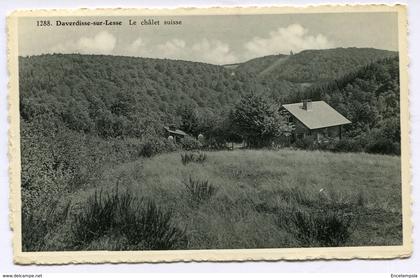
<point>115,97</point>
<point>121,96</point>
<point>314,65</point>
<point>80,113</point>
<point>369,97</point>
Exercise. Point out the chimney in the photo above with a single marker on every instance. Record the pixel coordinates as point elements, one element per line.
<point>307,104</point>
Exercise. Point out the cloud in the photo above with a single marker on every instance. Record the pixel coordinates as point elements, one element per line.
<point>214,51</point>
<point>293,37</point>
<point>136,46</point>
<point>174,48</point>
<point>204,50</point>
<point>101,43</point>
<point>281,40</point>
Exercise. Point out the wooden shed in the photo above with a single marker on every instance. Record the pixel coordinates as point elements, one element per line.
<point>176,134</point>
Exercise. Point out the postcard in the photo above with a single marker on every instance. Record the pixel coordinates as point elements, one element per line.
<point>209,134</point>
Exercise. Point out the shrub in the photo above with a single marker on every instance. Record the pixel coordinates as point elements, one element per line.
<point>321,218</point>
<point>37,225</point>
<point>150,228</point>
<point>189,143</point>
<point>326,229</point>
<point>347,145</point>
<point>304,143</point>
<point>97,218</point>
<point>151,146</point>
<point>384,146</point>
<point>144,225</point>
<point>329,144</point>
<point>147,150</point>
<point>199,191</point>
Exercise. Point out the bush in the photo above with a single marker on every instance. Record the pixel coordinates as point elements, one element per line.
<point>97,218</point>
<point>189,143</point>
<point>199,191</point>
<point>331,144</point>
<point>151,146</point>
<point>326,229</point>
<point>147,150</point>
<point>317,219</point>
<point>384,146</point>
<point>143,224</point>
<point>150,228</point>
<point>38,224</point>
<point>347,145</point>
<point>306,143</point>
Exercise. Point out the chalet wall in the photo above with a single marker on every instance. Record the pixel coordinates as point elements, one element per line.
<point>301,131</point>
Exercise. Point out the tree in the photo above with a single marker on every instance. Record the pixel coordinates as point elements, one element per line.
<point>189,118</point>
<point>258,121</point>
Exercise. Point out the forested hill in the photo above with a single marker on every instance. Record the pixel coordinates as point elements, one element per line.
<point>258,65</point>
<point>120,95</point>
<point>313,65</point>
<point>114,96</point>
<point>369,97</point>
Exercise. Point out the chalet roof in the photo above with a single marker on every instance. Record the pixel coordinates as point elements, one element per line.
<point>319,116</point>
<point>175,131</point>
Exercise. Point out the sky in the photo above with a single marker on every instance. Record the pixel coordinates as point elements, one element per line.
<point>215,39</point>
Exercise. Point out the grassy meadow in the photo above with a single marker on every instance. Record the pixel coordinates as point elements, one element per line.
<point>246,199</point>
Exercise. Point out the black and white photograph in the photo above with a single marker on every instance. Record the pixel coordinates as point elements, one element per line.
<point>238,130</point>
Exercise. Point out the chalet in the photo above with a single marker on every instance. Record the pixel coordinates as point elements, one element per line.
<point>176,134</point>
<point>316,120</point>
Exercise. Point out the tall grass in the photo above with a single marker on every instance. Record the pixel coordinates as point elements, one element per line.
<point>38,224</point>
<point>199,191</point>
<point>98,216</point>
<point>151,228</point>
<point>142,224</point>
<point>248,199</point>
<point>320,229</point>
<point>193,157</point>
<point>317,219</point>
<point>187,158</point>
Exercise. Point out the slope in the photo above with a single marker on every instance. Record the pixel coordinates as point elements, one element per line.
<point>257,65</point>
<point>117,96</point>
<point>313,65</point>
